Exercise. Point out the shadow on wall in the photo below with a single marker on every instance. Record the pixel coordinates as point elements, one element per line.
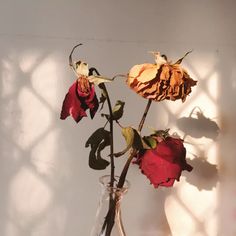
<point>16,165</point>
<point>204,177</point>
<point>40,171</point>
<point>199,126</point>
<point>31,186</point>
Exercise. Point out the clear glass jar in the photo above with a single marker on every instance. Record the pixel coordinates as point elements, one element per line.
<point>108,216</point>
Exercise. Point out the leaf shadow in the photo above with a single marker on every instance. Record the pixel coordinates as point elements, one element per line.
<point>204,175</point>
<point>199,126</point>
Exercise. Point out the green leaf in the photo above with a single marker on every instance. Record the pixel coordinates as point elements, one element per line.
<point>138,142</point>
<point>181,59</point>
<point>150,141</point>
<point>117,111</point>
<point>98,141</point>
<point>128,133</point>
<point>133,139</point>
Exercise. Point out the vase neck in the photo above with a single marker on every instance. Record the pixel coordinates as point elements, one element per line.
<point>107,188</point>
<point>108,216</point>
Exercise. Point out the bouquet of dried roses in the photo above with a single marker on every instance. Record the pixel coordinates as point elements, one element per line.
<point>160,156</point>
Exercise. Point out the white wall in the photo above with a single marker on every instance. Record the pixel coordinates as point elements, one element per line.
<point>46,187</point>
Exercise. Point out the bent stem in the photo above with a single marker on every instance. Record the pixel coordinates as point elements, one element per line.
<point>103,87</point>
<point>110,217</point>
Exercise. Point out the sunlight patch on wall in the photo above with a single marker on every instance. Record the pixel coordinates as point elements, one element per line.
<point>29,61</point>
<point>11,229</point>
<point>35,118</point>
<point>45,80</point>
<point>30,197</point>
<point>8,77</point>
<point>196,121</point>
<point>173,211</point>
<point>213,86</point>
<point>233,78</point>
<point>198,217</point>
<point>44,161</point>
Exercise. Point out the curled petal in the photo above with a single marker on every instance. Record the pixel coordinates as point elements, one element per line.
<point>160,81</point>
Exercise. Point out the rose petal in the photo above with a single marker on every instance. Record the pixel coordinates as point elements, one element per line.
<point>164,164</point>
<point>77,102</point>
<point>72,105</point>
<point>171,81</point>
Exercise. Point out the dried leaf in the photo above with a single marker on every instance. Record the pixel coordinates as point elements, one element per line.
<point>117,111</point>
<point>82,68</point>
<point>128,133</point>
<point>98,79</point>
<point>98,141</point>
<point>102,99</point>
<point>133,139</point>
<point>70,56</point>
<point>181,59</point>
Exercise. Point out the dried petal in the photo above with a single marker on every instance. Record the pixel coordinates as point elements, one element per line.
<point>80,97</point>
<point>160,81</point>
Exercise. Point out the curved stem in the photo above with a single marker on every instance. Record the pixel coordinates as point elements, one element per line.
<point>103,87</point>
<point>71,64</point>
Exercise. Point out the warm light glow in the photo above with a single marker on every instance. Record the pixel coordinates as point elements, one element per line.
<point>8,76</point>
<point>35,118</point>
<point>45,166</point>
<point>45,81</point>
<point>191,210</point>
<point>29,197</point>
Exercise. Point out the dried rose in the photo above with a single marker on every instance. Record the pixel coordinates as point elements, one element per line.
<point>164,164</point>
<point>81,96</point>
<point>161,80</point>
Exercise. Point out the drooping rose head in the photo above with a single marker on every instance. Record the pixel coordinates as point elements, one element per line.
<point>80,97</point>
<point>164,164</point>
<point>161,80</point>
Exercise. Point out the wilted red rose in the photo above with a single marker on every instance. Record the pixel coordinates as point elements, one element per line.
<point>160,81</point>
<point>164,164</point>
<point>81,96</point>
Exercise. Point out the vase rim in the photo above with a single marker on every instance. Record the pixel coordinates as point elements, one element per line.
<point>104,181</point>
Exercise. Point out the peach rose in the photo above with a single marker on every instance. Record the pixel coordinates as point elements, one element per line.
<point>161,80</point>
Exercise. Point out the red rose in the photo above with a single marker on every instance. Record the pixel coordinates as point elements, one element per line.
<point>81,96</point>
<point>164,164</point>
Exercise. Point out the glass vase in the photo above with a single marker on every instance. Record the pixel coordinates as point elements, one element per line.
<point>108,220</point>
